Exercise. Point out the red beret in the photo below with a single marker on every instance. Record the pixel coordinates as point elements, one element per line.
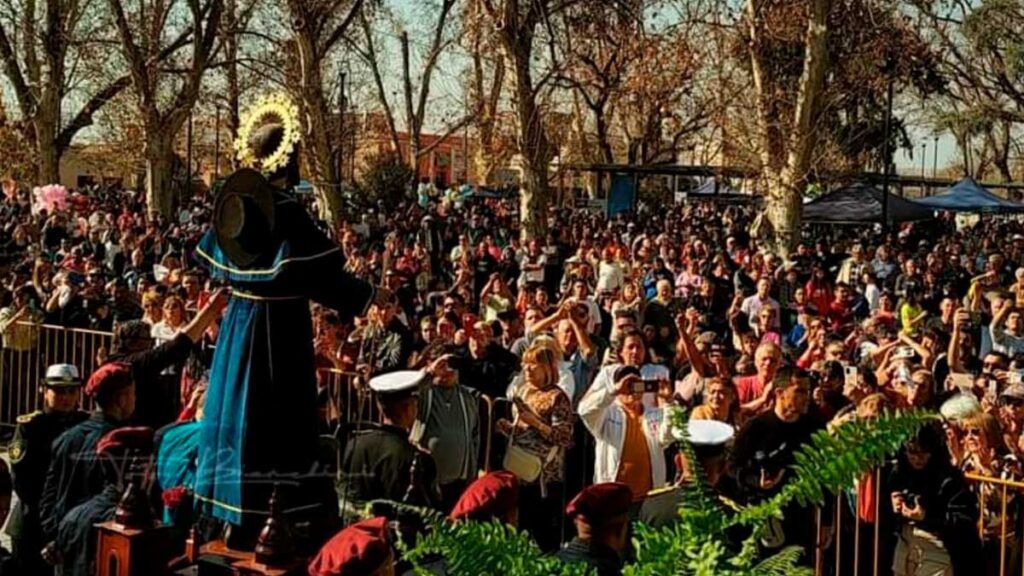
<point>600,503</point>
<point>361,548</point>
<point>108,377</point>
<point>120,440</point>
<point>492,496</point>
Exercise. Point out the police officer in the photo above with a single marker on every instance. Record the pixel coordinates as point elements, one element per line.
<point>30,458</point>
<point>379,462</point>
<point>75,474</point>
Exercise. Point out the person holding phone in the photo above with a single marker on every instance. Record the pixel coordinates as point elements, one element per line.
<point>631,434</point>
<point>542,427</point>
<point>936,511</point>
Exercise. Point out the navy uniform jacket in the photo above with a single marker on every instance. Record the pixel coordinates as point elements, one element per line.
<point>75,473</point>
<point>605,560</point>
<point>30,459</point>
<point>377,465</point>
<point>76,533</point>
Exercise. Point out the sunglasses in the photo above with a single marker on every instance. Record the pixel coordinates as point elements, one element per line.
<point>972,433</point>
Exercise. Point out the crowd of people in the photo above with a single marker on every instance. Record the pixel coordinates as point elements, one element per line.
<point>557,361</point>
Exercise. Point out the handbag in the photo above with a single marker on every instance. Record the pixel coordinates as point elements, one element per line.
<point>524,464</point>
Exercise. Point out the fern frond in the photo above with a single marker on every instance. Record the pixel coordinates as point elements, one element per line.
<point>784,563</point>
<point>830,462</point>
<point>487,549</point>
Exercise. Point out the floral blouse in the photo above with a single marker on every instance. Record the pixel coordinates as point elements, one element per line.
<point>555,410</point>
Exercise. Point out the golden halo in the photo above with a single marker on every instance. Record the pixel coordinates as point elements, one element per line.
<point>269,108</point>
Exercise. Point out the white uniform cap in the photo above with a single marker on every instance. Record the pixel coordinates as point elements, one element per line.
<point>706,432</point>
<point>395,382</point>
<point>62,375</point>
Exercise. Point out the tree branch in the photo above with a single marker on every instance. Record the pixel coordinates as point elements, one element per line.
<point>85,114</point>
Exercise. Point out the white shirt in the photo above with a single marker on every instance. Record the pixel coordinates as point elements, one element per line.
<point>609,276</point>
<point>752,306</point>
<point>606,420</point>
<point>872,294</point>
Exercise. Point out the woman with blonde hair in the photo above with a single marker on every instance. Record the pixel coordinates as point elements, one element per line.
<point>172,320</point>
<point>720,403</point>
<point>565,380</point>
<point>152,307</point>
<point>540,433</point>
<point>986,454</point>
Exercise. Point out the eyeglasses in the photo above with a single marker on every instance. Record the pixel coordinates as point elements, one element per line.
<point>972,433</point>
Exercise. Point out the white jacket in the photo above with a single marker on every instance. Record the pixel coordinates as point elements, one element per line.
<point>606,420</point>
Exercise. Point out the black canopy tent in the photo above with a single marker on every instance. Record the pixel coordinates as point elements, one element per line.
<point>861,203</point>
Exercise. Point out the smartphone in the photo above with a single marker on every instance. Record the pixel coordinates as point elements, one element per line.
<point>850,376</point>
<point>962,381</point>
<point>992,393</point>
<point>904,352</point>
<point>1015,377</point>
<point>645,386</point>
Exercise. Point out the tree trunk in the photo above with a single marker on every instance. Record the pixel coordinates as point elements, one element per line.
<point>325,163</point>
<point>45,127</point>
<point>783,209</point>
<point>234,90</point>
<point>49,161</point>
<point>159,154</point>
<point>533,201</point>
<point>414,159</point>
<point>786,185</point>
<point>532,145</point>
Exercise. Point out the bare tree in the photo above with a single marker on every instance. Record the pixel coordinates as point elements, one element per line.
<point>318,26</point>
<point>786,157</point>
<point>414,94</point>
<point>61,47</point>
<point>982,102</point>
<point>518,25</point>
<point>486,86</point>
<point>165,94</point>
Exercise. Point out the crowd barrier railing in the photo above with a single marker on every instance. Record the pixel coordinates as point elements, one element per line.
<point>848,546</point>
<point>33,347</point>
<point>844,546</point>
<point>351,401</point>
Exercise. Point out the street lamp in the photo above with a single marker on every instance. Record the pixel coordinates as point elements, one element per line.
<point>924,153</point>
<point>935,156</point>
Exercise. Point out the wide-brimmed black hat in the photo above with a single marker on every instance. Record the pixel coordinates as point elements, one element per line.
<point>243,216</point>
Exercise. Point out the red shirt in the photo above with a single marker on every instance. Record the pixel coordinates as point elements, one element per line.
<point>838,314</point>
<point>749,388</point>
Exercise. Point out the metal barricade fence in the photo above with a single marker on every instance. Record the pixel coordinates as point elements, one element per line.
<point>349,400</point>
<point>850,546</point>
<point>37,346</point>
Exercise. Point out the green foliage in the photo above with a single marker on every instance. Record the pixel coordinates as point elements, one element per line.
<point>386,178</point>
<point>486,549</point>
<point>701,542</point>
